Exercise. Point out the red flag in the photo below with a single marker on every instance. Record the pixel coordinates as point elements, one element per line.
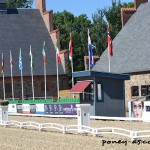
<point>110,46</point>
<point>57,53</point>
<point>70,49</point>
<point>2,71</point>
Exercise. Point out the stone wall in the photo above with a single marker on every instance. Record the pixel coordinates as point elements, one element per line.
<point>39,86</point>
<point>135,80</point>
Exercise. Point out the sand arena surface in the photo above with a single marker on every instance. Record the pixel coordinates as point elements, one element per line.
<point>14,138</point>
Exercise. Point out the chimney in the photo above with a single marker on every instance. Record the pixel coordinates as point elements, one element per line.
<point>126,13</point>
<point>137,3</point>
<point>40,4</point>
<point>48,19</point>
<point>47,15</point>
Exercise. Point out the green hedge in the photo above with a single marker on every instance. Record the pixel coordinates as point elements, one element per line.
<point>47,101</point>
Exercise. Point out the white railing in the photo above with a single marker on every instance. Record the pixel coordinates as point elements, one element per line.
<point>75,116</point>
<point>80,129</point>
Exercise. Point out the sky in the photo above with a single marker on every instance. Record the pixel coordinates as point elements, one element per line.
<point>78,7</point>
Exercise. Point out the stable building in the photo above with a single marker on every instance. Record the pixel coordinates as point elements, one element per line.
<point>20,28</point>
<point>131,51</point>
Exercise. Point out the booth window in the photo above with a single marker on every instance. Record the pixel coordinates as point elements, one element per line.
<point>135,90</point>
<point>99,92</point>
<point>88,93</point>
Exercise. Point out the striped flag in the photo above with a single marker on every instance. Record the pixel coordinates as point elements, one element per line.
<point>57,53</point>
<point>91,60</point>
<point>70,49</point>
<point>31,59</point>
<point>11,63</point>
<point>110,46</point>
<point>44,54</point>
<point>20,61</point>
<point>2,71</point>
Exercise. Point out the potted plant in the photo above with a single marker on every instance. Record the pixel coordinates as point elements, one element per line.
<point>4,102</point>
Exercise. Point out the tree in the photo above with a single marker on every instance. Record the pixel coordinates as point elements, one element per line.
<point>101,18</point>
<point>67,23</point>
<point>19,3</point>
<point>98,31</point>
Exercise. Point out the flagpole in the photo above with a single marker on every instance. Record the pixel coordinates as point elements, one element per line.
<point>12,82</point>
<point>72,72</point>
<point>32,82</point>
<point>108,58</point>
<point>22,85</point>
<point>45,77</point>
<point>57,77</point>
<point>3,75</point>
<point>72,75</point>
<point>3,86</point>
<point>21,77</point>
<point>89,51</point>
<point>32,71</point>
<point>71,59</point>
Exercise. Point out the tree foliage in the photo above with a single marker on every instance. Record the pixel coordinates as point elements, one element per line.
<point>67,23</point>
<point>78,25</point>
<point>19,3</point>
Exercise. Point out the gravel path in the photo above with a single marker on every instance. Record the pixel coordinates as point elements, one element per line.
<point>13,138</point>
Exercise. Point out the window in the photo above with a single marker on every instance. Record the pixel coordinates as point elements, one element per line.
<point>145,90</point>
<point>99,93</point>
<point>135,91</point>
<point>88,92</point>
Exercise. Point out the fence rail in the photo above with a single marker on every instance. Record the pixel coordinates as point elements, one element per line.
<point>80,129</point>
<point>75,116</point>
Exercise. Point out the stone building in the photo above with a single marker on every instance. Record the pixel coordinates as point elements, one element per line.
<point>20,28</point>
<point>131,51</point>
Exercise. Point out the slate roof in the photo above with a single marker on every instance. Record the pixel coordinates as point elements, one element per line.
<point>131,47</point>
<point>18,29</point>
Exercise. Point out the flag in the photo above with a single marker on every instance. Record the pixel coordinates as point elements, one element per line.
<point>90,52</point>
<point>2,71</point>
<point>70,49</point>
<point>31,59</point>
<point>110,46</point>
<point>57,53</point>
<point>44,54</point>
<point>20,61</point>
<point>11,63</point>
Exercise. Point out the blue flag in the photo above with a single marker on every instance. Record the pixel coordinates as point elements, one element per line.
<point>20,61</point>
<point>90,52</point>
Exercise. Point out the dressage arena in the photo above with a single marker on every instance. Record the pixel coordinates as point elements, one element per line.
<point>29,138</point>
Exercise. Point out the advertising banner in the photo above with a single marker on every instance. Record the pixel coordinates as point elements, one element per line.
<point>32,109</point>
<point>12,108</point>
<point>139,109</point>
<point>146,114</point>
<point>39,108</point>
<point>26,108</point>
<point>19,108</point>
<point>60,109</point>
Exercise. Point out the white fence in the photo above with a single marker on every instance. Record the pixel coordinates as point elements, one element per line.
<point>80,129</point>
